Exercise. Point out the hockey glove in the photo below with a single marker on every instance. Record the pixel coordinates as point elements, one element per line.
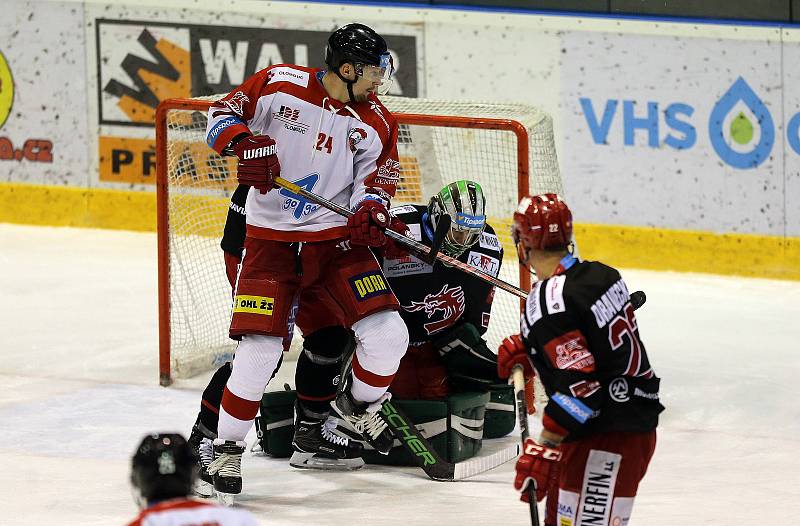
<point>469,360</point>
<point>510,353</point>
<point>258,162</point>
<point>537,464</point>
<point>367,224</point>
<point>395,249</point>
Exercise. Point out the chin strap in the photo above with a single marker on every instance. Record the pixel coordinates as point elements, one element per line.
<point>349,84</point>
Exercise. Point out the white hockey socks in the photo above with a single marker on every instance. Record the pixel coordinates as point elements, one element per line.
<point>382,340</point>
<point>253,365</point>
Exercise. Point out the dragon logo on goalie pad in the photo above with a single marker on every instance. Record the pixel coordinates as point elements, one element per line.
<point>450,301</point>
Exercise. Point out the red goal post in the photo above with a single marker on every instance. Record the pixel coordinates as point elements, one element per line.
<point>508,148</point>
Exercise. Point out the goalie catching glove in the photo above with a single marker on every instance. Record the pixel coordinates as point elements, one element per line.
<point>258,162</point>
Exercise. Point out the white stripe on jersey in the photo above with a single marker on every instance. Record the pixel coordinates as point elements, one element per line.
<point>554,294</point>
<point>532,311</point>
<point>288,74</point>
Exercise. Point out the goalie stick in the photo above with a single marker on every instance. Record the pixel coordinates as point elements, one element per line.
<point>419,249</point>
<point>638,299</point>
<point>434,466</point>
<point>428,459</point>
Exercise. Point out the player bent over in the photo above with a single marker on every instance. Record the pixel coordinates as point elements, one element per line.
<point>579,333</point>
<point>295,249</point>
<point>163,471</point>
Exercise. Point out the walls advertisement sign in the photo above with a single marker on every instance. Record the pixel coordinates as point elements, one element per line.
<point>141,63</point>
<point>645,117</point>
<point>43,122</point>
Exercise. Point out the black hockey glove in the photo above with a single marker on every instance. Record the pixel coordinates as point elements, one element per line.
<point>469,361</point>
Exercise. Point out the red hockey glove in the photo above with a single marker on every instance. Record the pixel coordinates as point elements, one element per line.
<point>368,223</point>
<point>395,249</point>
<point>258,162</point>
<point>510,353</point>
<point>537,464</point>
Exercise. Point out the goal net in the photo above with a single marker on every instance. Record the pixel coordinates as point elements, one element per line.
<point>507,148</point>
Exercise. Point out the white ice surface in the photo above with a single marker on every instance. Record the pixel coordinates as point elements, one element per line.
<point>78,337</point>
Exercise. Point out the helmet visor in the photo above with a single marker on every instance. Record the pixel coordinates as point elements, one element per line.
<point>380,75</point>
<point>465,231</point>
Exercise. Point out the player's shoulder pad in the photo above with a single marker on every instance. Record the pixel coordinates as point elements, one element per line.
<point>298,75</point>
<point>489,240</point>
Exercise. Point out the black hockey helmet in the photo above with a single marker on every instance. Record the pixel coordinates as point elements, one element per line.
<point>356,44</point>
<point>366,50</point>
<point>163,467</point>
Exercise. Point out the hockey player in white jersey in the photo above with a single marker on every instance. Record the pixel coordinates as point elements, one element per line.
<point>326,131</point>
<point>163,472</point>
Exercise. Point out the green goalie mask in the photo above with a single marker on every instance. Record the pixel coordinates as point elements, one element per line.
<point>465,203</point>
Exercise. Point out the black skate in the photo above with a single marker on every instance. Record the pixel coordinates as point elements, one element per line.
<point>366,419</point>
<point>203,446</point>
<point>226,469</point>
<point>317,446</point>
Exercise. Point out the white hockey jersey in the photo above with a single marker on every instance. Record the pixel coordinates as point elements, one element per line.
<point>344,152</point>
<point>187,512</point>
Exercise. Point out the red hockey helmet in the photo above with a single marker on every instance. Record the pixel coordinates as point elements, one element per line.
<point>542,222</point>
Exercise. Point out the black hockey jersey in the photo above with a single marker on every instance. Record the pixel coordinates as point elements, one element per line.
<point>436,297</point>
<point>582,334</point>
<point>236,223</point>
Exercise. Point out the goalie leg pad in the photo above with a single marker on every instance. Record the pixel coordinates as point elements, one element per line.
<point>500,417</point>
<point>454,427</point>
<point>275,425</point>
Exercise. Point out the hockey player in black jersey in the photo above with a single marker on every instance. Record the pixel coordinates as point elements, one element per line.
<point>580,335</point>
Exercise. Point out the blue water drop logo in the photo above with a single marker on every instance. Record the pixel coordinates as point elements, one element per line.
<point>740,132</point>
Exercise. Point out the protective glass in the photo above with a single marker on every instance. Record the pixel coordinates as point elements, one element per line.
<point>380,75</point>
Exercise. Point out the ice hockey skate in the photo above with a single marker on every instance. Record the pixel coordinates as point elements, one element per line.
<point>226,469</point>
<point>204,449</point>
<point>317,445</point>
<point>365,418</point>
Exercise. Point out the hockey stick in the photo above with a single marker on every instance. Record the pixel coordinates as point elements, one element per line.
<point>638,299</point>
<point>428,459</point>
<point>419,249</point>
<point>438,239</point>
<point>522,418</point>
